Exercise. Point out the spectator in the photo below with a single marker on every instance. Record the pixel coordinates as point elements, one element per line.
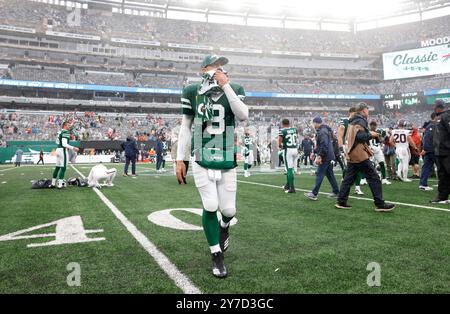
<point>41,157</point>
<point>131,154</point>
<point>415,153</point>
<point>358,160</point>
<point>441,143</point>
<point>19,154</point>
<point>307,147</point>
<point>324,159</point>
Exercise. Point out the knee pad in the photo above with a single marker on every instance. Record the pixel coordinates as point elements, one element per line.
<point>229,212</point>
<point>210,204</point>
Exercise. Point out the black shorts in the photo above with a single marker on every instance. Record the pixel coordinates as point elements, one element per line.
<point>414,160</point>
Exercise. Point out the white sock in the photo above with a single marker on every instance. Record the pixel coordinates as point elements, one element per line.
<point>53,182</point>
<point>215,248</point>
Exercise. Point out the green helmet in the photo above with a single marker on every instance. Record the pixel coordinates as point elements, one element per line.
<point>210,59</point>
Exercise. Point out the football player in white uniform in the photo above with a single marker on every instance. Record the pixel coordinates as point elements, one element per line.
<point>212,108</point>
<point>401,138</point>
<point>99,173</point>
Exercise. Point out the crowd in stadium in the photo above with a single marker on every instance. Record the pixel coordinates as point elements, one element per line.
<point>39,15</point>
<point>313,86</point>
<point>104,126</point>
<point>89,126</point>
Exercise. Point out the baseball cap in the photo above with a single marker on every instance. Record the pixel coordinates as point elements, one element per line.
<point>210,59</point>
<point>317,120</point>
<point>361,106</point>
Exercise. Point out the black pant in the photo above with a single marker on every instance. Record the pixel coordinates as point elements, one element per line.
<point>159,160</point>
<point>306,158</point>
<point>129,159</point>
<point>40,159</point>
<point>368,169</point>
<point>443,166</point>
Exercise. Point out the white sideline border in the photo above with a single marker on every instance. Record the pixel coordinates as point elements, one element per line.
<point>181,280</point>
<point>353,197</point>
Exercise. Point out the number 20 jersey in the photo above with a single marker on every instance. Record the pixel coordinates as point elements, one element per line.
<point>401,138</point>
<point>213,144</point>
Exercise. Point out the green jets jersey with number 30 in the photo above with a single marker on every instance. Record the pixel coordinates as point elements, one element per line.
<point>213,144</point>
<point>289,137</point>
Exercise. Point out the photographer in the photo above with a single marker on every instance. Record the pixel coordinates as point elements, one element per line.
<point>358,160</point>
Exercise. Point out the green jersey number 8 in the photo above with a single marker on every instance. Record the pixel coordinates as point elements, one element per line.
<point>212,127</point>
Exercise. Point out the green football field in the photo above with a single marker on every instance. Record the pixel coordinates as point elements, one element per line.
<point>280,243</point>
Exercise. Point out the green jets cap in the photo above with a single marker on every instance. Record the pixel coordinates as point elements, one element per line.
<point>361,106</point>
<point>210,59</point>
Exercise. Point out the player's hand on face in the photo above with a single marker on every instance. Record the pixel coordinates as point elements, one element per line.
<point>181,172</point>
<point>221,78</point>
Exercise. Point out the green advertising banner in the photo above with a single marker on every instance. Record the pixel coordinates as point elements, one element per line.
<point>432,99</point>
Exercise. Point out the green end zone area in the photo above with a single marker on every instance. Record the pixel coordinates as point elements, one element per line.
<point>280,244</point>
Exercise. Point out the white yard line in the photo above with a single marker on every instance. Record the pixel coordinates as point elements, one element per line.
<point>181,280</point>
<point>354,197</point>
<point>6,169</point>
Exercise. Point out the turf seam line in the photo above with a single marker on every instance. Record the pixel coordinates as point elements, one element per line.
<point>353,197</point>
<point>181,280</point>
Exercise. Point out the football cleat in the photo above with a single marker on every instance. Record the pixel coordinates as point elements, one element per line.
<point>425,188</point>
<point>332,195</point>
<point>61,184</point>
<point>385,181</point>
<point>363,182</point>
<point>358,191</point>
<point>290,190</point>
<point>224,238</point>
<point>219,269</point>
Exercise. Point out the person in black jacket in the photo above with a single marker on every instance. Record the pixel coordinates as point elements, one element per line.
<point>307,147</point>
<point>441,143</point>
<point>159,154</point>
<point>325,156</point>
<point>429,158</point>
<point>131,154</point>
<point>358,160</point>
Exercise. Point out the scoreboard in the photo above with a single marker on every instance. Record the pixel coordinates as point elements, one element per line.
<point>397,101</point>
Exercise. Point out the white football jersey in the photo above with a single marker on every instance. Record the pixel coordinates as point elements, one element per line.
<point>401,138</point>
